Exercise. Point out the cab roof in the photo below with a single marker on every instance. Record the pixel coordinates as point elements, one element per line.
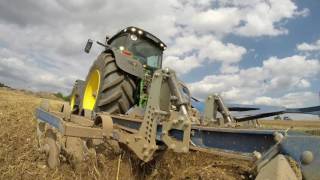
<point>140,32</point>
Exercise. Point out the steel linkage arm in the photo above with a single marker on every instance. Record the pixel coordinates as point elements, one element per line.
<point>213,105</point>
<point>179,120</point>
<point>164,93</point>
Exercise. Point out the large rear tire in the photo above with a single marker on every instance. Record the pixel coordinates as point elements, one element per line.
<point>114,93</point>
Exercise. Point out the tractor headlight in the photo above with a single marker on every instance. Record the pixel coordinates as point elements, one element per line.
<point>133,37</point>
<point>140,32</point>
<point>121,48</point>
<point>133,29</point>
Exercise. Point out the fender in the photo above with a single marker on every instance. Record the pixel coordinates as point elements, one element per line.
<point>127,64</point>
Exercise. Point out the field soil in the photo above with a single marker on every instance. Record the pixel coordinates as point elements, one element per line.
<point>296,124</point>
<point>20,157</point>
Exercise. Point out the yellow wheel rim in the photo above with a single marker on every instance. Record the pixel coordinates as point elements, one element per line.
<point>91,90</point>
<point>72,100</point>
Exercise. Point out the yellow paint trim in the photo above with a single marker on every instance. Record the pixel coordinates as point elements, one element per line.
<point>91,90</point>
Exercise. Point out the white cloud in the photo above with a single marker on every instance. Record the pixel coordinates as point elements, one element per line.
<point>276,77</point>
<point>21,71</point>
<point>246,18</point>
<point>309,47</point>
<point>208,49</point>
<point>303,83</point>
<point>260,17</point>
<point>292,66</point>
<point>263,100</point>
<point>41,42</point>
<point>220,20</point>
<point>51,36</point>
<point>181,66</point>
<point>227,68</point>
<point>216,50</point>
<point>296,99</point>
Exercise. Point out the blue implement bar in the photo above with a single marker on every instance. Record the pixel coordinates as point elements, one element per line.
<point>49,118</point>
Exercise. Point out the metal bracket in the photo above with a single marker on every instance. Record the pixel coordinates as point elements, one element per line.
<point>107,125</point>
<point>66,110</point>
<point>214,104</point>
<point>180,122</point>
<point>87,113</point>
<point>143,143</point>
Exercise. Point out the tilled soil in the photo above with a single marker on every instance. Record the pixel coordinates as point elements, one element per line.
<point>21,159</point>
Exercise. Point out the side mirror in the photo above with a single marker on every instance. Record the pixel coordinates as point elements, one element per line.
<point>107,38</point>
<point>88,46</point>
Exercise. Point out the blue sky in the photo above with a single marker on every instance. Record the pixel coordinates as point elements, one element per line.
<point>302,29</point>
<point>249,51</point>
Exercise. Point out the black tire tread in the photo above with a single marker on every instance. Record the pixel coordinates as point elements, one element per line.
<point>114,82</point>
<point>116,94</point>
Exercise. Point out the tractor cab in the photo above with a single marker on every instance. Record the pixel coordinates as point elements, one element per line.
<point>135,56</point>
<point>140,45</point>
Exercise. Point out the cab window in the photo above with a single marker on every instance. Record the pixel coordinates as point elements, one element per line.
<point>119,42</point>
<point>140,49</point>
<point>144,51</point>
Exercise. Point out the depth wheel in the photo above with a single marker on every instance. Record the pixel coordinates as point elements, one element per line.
<point>51,149</point>
<point>41,130</point>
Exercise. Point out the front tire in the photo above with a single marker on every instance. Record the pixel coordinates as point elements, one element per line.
<point>114,93</point>
<point>76,96</point>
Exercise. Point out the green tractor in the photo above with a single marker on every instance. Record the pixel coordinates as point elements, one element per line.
<point>121,75</point>
<point>129,102</point>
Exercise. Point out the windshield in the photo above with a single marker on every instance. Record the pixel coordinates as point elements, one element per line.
<point>141,49</point>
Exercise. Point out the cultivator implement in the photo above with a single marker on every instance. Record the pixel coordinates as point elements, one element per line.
<point>170,122</point>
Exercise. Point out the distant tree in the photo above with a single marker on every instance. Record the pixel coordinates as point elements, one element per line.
<point>61,96</point>
<point>277,118</point>
<point>3,85</point>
